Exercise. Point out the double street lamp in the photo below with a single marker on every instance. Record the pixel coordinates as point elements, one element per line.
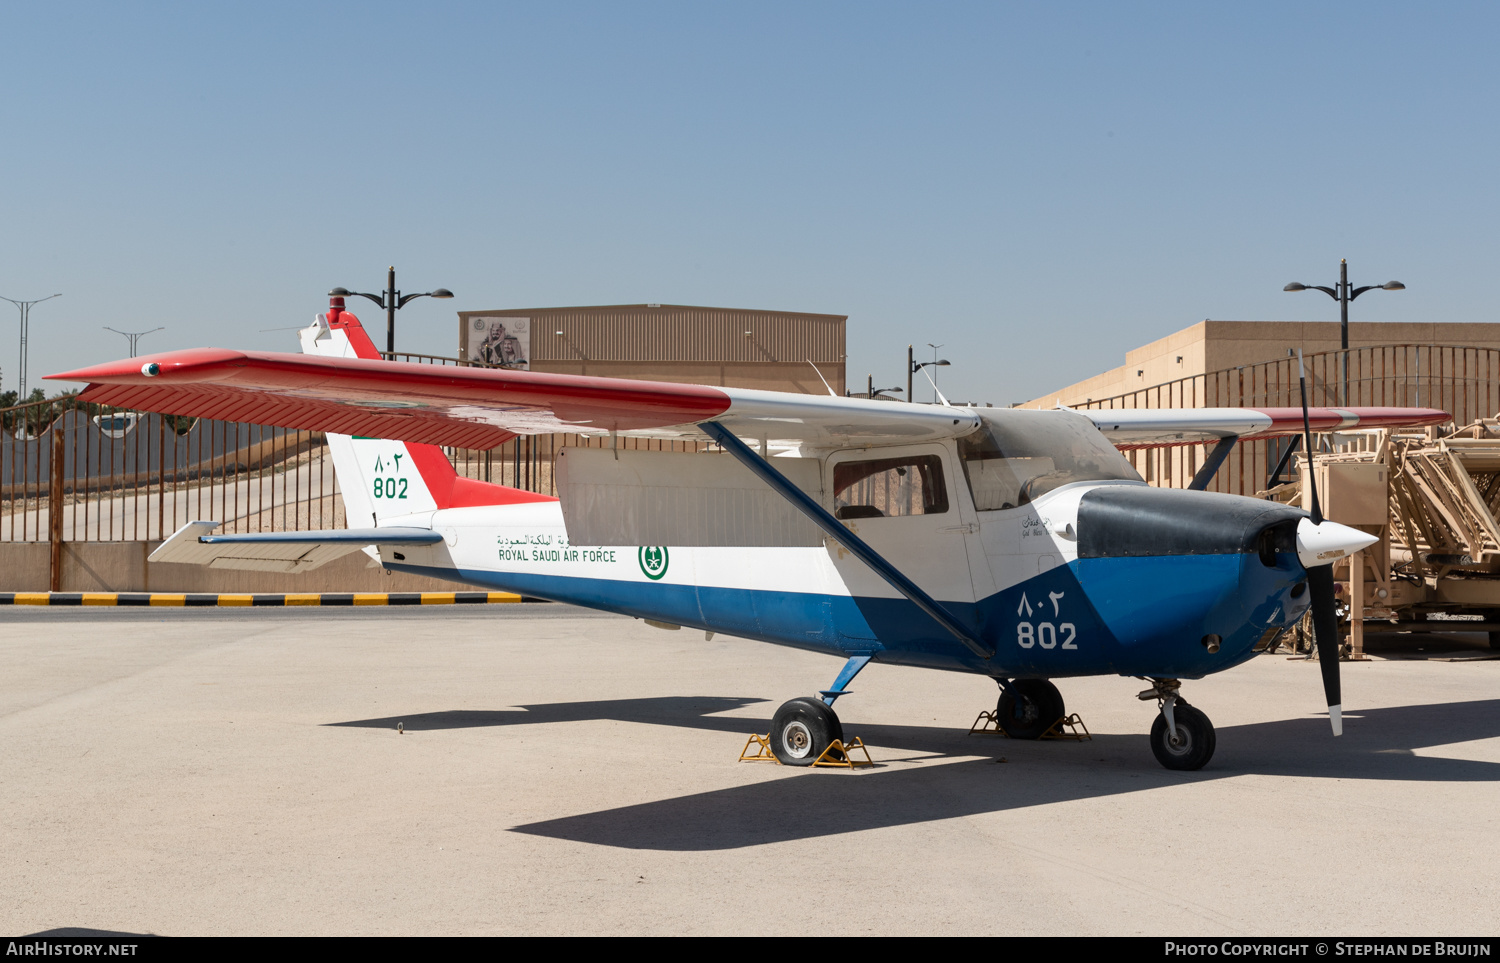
<point>390,300</point>
<point>1343,294</point>
<point>134,337</point>
<point>25,307</point>
<point>873,392</point>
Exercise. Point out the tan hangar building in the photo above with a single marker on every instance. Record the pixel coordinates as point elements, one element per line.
<point>733,347</point>
<point>1210,346</point>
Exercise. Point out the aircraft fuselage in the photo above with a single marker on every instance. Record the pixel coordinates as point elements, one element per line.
<point>1046,595</point>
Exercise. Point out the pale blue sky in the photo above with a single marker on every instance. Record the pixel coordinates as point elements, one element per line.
<point>1039,187</point>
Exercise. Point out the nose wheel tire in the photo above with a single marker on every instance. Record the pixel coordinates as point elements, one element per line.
<point>802,730</point>
<point>1191,747</point>
<point>1030,717</point>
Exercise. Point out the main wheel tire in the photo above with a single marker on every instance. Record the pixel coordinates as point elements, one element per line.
<point>1195,742</point>
<point>1033,716</point>
<point>802,730</point>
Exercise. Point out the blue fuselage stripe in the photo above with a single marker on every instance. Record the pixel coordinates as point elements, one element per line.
<point>1139,616</point>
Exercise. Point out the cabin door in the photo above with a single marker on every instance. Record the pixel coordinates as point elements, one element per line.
<point>908,505</point>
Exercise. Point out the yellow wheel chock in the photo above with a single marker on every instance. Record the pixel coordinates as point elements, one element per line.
<point>985,724</point>
<point>1066,727</point>
<point>839,755</point>
<point>762,751</point>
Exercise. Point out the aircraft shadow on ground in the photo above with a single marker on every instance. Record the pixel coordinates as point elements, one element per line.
<point>799,804</point>
<point>84,932</point>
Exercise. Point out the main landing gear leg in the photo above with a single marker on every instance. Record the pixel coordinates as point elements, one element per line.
<point>1028,708</point>
<point>1181,737</point>
<point>803,729</point>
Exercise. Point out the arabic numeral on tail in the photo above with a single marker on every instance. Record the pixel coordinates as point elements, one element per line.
<point>1025,635</point>
<point>1072,633</point>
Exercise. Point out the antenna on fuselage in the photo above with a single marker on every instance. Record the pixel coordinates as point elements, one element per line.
<point>935,390</point>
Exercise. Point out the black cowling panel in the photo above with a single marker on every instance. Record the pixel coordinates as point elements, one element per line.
<point>1135,521</point>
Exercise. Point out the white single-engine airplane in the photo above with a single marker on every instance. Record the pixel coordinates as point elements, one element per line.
<point>1015,544</point>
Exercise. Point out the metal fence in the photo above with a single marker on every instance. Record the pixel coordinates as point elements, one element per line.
<point>1463,381</point>
<point>116,474</point>
<point>122,475</point>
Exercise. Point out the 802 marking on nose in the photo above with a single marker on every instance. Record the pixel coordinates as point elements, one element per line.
<point>1048,635</point>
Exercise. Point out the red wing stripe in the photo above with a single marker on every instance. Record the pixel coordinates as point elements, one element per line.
<point>1289,420</point>
<point>469,407</point>
<point>313,417</point>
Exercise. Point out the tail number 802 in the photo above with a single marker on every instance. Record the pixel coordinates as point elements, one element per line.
<point>1046,635</point>
<point>390,488</point>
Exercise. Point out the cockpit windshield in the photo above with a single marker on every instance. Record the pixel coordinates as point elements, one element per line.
<point>1018,455</point>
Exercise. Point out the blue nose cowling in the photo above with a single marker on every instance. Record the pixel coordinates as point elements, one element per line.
<point>1165,568</point>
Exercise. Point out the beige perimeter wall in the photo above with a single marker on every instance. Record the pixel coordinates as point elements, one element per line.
<point>122,567</point>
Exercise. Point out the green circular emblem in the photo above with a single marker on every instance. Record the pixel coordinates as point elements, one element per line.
<point>653,559</point>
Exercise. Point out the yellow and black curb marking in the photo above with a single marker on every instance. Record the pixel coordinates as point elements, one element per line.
<point>290,598</point>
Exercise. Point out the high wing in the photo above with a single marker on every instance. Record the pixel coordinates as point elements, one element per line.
<point>1130,428</point>
<point>484,407</point>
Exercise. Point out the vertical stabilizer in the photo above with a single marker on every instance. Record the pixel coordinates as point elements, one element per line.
<point>382,479</point>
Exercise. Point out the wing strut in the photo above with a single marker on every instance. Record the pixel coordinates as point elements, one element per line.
<point>835,530</point>
<point>1212,462</point>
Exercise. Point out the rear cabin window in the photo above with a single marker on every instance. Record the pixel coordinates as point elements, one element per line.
<point>888,487</point>
<point>1016,456</point>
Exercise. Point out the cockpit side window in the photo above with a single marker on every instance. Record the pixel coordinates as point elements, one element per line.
<point>1017,456</point>
<point>887,487</point>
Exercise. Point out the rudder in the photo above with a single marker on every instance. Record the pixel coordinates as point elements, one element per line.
<point>381,479</point>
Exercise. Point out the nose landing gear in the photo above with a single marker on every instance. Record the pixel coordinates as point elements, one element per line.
<point>1182,738</point>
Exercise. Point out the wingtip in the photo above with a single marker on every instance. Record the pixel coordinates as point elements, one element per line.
<point>131,370</point>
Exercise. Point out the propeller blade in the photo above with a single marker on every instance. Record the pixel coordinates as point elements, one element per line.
<point>1318,541</point>
<point>1311,481</point>
<point>1326,632</point>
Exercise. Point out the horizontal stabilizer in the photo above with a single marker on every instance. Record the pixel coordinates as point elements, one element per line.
<point>192,544</point>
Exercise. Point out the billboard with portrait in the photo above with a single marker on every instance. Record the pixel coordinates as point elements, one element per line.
<point>498,340</point>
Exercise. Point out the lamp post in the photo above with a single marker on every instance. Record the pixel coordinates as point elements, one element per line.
<point>390,300</point>
<point>1343,295</point>
<point>873,392</point>
<point>912,367</point>
<point>133,337</point>
<point>25,307</point>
